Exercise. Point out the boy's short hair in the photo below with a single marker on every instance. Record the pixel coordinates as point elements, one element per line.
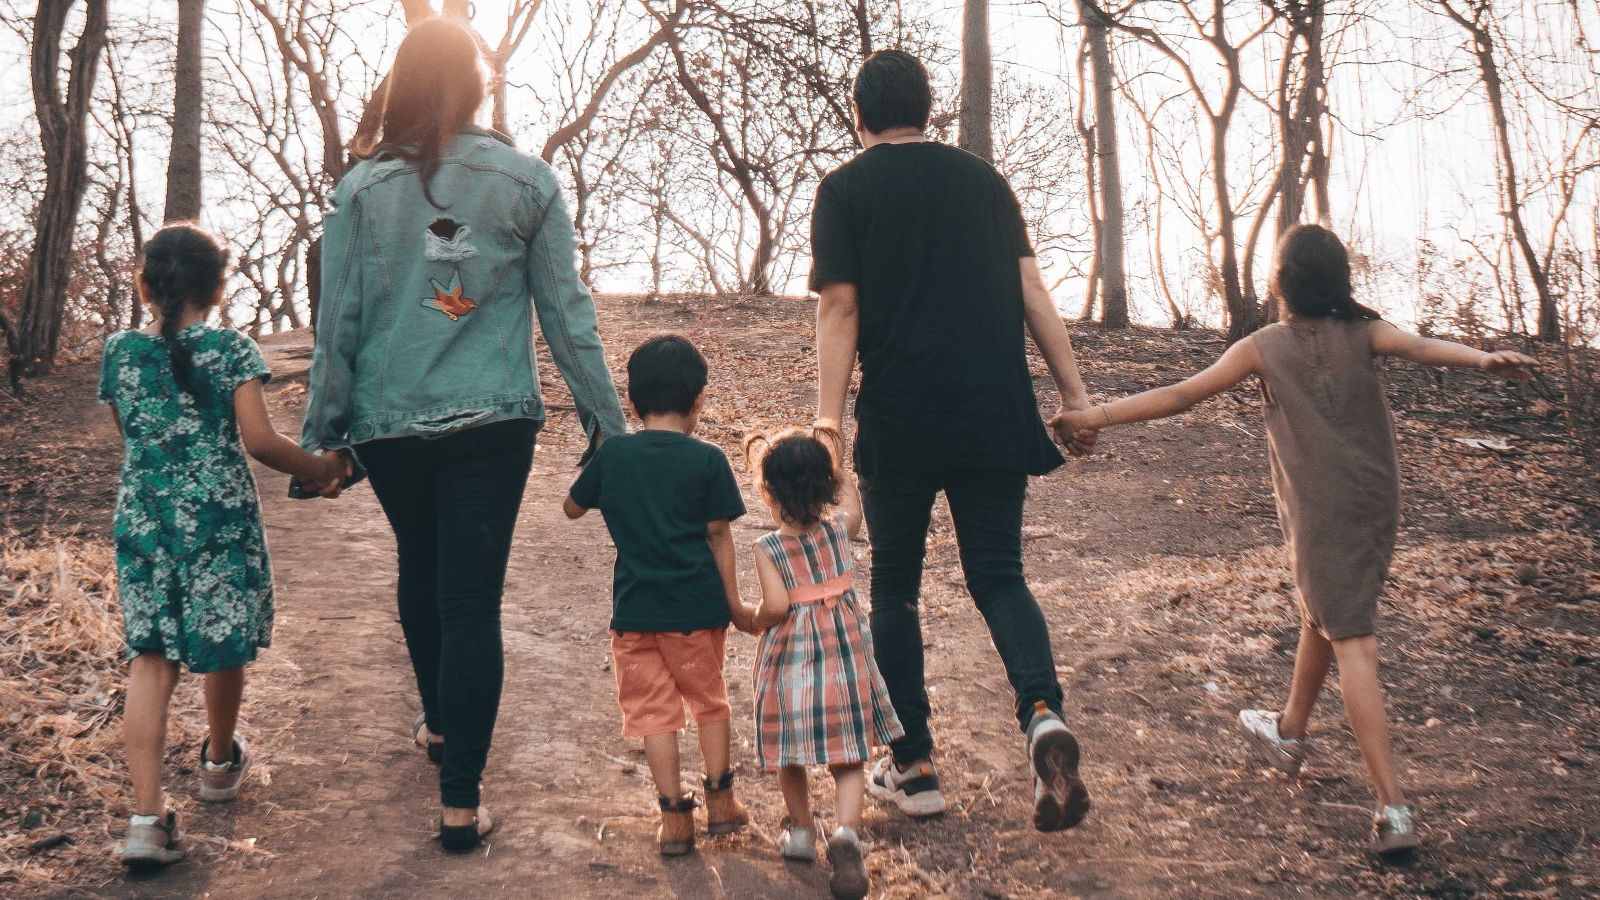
<point>892,91</point>
<point>666,374</point>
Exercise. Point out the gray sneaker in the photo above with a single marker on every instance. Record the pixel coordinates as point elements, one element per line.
<point>1394,829</point>
<point>1060,799</point>
<point>797,843</point>
<point>1287,754</point>
<point>219,782</point>
<point>915,790</point>
<point>848,857</point>
<point>153,841</point>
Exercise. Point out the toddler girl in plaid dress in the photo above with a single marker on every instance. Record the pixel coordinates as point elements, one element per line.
<point>819,697</point>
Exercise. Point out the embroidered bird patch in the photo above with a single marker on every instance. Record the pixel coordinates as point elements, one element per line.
<point>448,299</point>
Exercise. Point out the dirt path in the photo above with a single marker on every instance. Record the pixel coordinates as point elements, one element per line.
<point>1157,568</point>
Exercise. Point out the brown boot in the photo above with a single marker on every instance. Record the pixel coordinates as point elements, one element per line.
<point>724,813</point>
<point>675,837</point>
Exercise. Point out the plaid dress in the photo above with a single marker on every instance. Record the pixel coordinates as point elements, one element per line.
<point>819,697</point>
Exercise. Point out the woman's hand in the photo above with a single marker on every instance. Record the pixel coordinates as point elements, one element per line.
<point>1077,429</point>
<point>336,470</point>
<point>1509,364</point>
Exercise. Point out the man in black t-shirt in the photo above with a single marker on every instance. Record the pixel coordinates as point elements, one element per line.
<point>922,260</point>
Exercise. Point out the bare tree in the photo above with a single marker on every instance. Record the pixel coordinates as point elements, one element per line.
<point>1110,255</point>
<point>1476,17</point>
<point>63,133</point>
<point>977,80</point>
<point>188,107</point>
<point>1212,29</point>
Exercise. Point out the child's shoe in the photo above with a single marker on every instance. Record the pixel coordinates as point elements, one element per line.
<point>724,813</point>
<point>220,782</point>
<point>848,857</point>
<point>675,837</point>
<point>152,841</point>
<point>797,843</point>
<point>1287,754</point>
<point>1394,829</point>
<point>1060,799</point>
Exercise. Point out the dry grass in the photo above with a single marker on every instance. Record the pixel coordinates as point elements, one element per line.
<point>62,780</point>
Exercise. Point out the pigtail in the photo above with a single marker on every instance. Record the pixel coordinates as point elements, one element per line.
<point>183,266</point>
<point>755,449</point>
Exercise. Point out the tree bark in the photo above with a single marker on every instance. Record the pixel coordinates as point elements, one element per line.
<point>1112,243</point>
<point>188,107</point>
<point>977,81</point>
<point>63,133</point>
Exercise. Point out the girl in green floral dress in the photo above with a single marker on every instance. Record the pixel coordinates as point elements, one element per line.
<point>192,570</point>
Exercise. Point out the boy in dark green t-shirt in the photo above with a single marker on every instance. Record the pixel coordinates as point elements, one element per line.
<point>667,499</point>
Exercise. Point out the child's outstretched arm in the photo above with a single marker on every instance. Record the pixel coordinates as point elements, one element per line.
<point>1239,362</point>
<point>850,514</point>
<point>1388,340</point>
<point>774,596</point>
<point>720,536</point>
<point>324,473</point>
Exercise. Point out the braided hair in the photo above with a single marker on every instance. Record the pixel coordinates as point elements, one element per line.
<point>799,467</point>
<point>1311,276</point>
<point>183,266</point>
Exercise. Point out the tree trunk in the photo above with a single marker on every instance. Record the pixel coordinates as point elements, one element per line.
<point>1241,315</point>
<point>1301,110</point>
<point>977,78</point>
<point>188,108</point>
<point>1112,253</point>
<point>63,133</point>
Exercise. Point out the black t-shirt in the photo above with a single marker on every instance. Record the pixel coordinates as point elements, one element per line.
<point>931,236</point>
<point>658,490</point>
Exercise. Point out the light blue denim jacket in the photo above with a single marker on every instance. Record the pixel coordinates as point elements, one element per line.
<point>426,324</point>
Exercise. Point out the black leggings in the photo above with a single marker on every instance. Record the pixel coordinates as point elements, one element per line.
<point>986,506</point>
<point>452,502</point>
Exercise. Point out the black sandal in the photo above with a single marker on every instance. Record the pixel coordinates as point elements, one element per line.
<point>435,748</point>
<point>465,838</point>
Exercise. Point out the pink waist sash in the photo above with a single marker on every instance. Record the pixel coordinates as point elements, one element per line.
<point>827,593</point>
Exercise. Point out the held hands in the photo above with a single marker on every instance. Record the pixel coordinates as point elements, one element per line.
<point>1077,428</point>
<point>336,469</point>
<point>744,619</point>
<point>1509,364</point>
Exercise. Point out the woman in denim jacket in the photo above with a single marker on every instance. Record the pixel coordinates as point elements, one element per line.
<point>424,367</point>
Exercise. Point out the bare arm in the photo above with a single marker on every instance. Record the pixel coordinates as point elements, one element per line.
<point>774,596</point>
<point>837,329</point>
<point>1239,362</point>
<point>1055,345</point>
<point>720,536</point>
<point>1388,340</point>
<point>572,508</point>
<point>272,449</point>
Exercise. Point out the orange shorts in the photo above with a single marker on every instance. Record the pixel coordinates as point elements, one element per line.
<point>659,672</point>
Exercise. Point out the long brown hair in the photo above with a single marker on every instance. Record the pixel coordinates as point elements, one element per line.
<point>1311,276</point>
<point>434,90</point>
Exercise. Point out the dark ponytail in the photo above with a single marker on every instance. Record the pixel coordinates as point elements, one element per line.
<point>183,266</point>
<point>1311,276</point>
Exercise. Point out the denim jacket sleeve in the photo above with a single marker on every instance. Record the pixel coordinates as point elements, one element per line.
<point>331,403</point>
<point>566,309</point>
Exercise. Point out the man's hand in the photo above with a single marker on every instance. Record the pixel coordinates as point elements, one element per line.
<point>1073,428</point>
<point>1509,364</point>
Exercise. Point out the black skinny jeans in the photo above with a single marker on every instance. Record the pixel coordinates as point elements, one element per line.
<point>452,502</point>
<point>986,505</point>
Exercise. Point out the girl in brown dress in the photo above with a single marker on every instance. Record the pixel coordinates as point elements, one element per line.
<point>1331,441</point>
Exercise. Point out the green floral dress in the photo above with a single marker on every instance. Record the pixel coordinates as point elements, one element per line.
<point>192,567</point>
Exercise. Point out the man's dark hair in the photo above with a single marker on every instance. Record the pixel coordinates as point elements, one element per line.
<point>892,91</point>
<point>665,375</point>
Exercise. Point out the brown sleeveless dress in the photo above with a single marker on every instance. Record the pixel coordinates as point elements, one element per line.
<point>1331,440</point>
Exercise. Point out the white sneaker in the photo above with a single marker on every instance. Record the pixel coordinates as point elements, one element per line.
<point>797,843</point>
<point>915,791</point>
<point>1394,829</point>
<point>1286,754</point>
<point>1060,799</point>
<point>220,782</point>
<point>152,841</point>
